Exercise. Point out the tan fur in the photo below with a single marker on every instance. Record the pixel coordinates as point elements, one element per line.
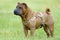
<point>32,20</point>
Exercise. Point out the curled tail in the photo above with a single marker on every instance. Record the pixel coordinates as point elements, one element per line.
<point>48,11</point>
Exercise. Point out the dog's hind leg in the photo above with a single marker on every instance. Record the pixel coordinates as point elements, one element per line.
<point>46,30</point>
<point>51,29</point>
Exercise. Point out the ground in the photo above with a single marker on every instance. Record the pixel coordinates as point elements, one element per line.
<point>11,27</point>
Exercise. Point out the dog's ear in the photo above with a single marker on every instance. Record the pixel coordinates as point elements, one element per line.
<point>25,4</point>
<point>18,3</point>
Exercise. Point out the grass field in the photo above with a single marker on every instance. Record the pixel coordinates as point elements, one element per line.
<point>11,27</point>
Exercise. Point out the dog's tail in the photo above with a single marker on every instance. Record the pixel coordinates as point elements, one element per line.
<point>48,11</point>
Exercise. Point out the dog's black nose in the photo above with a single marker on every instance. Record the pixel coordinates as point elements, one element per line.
<point>15,12</point>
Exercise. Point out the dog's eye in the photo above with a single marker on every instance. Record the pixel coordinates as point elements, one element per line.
<point>20,7</point>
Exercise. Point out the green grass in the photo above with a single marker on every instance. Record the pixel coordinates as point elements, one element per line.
<point>11,27</point>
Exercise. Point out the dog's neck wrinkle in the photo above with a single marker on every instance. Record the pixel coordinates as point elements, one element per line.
<point>24,17</point>
<point>30,14</point>
<point>27,15</point>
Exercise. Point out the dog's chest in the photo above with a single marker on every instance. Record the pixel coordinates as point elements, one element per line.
<point>30,22</point>
<point>36,20</point>
<point>25,23</point>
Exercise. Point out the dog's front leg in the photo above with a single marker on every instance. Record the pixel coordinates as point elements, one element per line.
<point>32,29</point>
<point>25,31</point>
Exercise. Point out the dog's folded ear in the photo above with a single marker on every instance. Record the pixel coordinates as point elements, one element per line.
<point>18,3</point>
<point>25,5</point>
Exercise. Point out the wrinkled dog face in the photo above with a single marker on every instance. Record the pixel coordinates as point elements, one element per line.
<point>20,9</point>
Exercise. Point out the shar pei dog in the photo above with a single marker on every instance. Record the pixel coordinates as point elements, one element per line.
<point>34,20</point>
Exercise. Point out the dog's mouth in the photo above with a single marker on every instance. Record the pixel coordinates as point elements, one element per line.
<point>17,12</point>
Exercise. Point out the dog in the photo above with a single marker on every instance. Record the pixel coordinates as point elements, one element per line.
<point>34,20</point>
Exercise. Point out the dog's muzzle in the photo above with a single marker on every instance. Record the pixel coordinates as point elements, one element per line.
<point>16,12</point>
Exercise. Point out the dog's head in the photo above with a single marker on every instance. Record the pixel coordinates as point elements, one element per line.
<point>20,9</point>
